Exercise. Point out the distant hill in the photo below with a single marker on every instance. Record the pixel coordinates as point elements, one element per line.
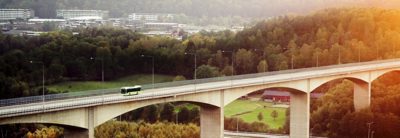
<point>210,8</point>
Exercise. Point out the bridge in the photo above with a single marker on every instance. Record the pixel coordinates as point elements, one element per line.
<point>87,111</point>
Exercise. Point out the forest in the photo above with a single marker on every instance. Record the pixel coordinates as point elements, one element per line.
<point>327,37</point>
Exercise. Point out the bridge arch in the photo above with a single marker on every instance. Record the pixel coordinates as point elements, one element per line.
<point>108,112</point>
<point>356,78</point>
<point>231,94</point>
<point>299,102</point>
<point>361,89</point>
<point>379,73</point>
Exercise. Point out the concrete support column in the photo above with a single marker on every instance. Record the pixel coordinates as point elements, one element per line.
<point>91,122</point>
<point>211,122</point>
<point>362,95</point>
<point>299,115</point>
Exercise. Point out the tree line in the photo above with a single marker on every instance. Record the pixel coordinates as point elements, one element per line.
<point>327,37</point>
<point>124,129</point>
<point>167,112</point>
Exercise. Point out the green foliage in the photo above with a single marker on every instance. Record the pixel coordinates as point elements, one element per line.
<point>206,71</point>
<point>49,132</point>
<point>248,111</point>
<point>274,114</point>
<point>141,129</point>
<point>168,112</point>
<point>260,116</point>
<point>356,34</point>
<point>333,115</point>
<point>179,78</point>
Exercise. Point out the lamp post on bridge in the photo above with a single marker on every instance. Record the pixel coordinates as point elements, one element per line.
<point>43,80</point>
<point>102,67</point>
<point>102,75</point>
<point>369,128</point>
<point>233,68</point>
<point>152,68</point>
<point>195,67</point>
<point>264,58</point>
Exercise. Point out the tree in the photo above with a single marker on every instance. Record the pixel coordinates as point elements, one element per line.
<point>179,78</point>
<point>206,71</point>
<point>184,115</point>
<point>274,114</point>
<point>260,116</point>
<point>244,61</point>
<point>167,113</point>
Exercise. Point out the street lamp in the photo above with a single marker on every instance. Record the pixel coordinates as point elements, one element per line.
<point>152,68</point>
<point>232,52</point>
<point>263,58</point>
<point>291,61</point>
<point>369,128</point>
<point>372,134</point>
<point>102,68</point>
<point>317,59</point>
<point>233,69</point>
<point>43,81</point>
<point>195,67</point>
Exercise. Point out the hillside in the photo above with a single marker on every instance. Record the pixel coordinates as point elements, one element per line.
<point>198,8</point>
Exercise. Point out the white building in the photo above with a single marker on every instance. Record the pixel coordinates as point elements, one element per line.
<point>150,16</point>
<point>13,14</point>
<point>68,14</point>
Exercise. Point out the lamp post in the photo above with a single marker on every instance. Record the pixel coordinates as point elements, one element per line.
<point>232,52</point>
<point>263,59</point>
<point>359,53</point>
<point>43,81</point>
<point>372,134</point>
<point>291,61</point>
<point>233,68</point>
<point>102,68</point>
<point>152,68</point>
<point>369,128</point>
<point>195,67</point>
<point>317,64</point>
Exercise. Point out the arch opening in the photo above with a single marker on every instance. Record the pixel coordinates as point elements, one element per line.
<point>186,117</point>
<point>265,110</point>
<point>333,101</point>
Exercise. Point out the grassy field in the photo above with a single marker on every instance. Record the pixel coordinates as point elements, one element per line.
<point>73,86</point>
<point>255,107</point>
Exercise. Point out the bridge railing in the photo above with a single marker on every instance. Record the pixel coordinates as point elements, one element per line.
<point>81,94</point>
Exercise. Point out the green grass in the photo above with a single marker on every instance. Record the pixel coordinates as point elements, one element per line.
<point>240,106</point>
<point>73,86</point>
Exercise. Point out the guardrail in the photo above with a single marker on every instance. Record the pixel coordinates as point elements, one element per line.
<point>81,94</point>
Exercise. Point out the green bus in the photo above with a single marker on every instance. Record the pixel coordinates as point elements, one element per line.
<point>126,91</point>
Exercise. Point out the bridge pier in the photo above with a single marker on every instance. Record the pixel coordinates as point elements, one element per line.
<point>91,122</point>
<point>299,115</point>
<point>362,95</point>
<point>211,122</point>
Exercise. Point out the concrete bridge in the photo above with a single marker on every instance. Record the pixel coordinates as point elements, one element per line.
<point>210,94</point>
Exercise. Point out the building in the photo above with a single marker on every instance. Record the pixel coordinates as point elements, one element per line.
<point>150,17</point>
<point>14,14</point>
<point>283,96</point>
<point>70,14</point>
